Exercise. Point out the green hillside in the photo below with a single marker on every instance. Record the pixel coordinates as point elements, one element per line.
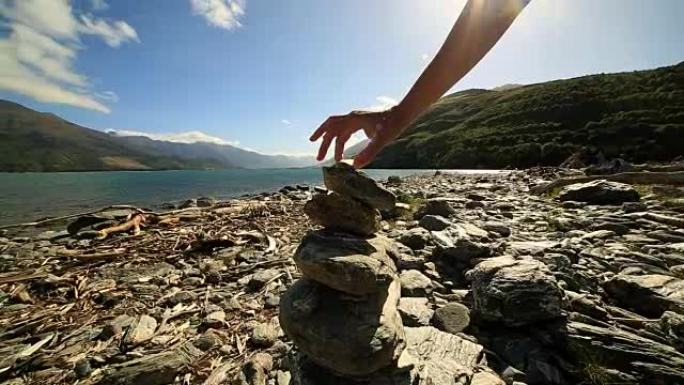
<point>636,115</point>
<point>34,141</point>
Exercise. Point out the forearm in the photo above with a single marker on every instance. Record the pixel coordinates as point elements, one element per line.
<point>480,26</point>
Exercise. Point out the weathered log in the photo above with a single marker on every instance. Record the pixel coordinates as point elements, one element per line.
<point>668,178</point>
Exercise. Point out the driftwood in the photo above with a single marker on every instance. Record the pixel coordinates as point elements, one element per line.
<point>665,219</point>
<point>660,167</point>
<point>668,178</point>
<point>159,368</point>
<point>138,210</point>
<point>133,223</point>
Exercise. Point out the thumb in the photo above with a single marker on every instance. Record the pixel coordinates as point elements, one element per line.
<point>363,158</point>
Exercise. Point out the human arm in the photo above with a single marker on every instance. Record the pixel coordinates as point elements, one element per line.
<point>478,28</point>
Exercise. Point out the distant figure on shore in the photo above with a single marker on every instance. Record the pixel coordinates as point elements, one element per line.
<point>481,24</point>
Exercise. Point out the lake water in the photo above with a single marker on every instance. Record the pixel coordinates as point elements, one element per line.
<point>28,196</point>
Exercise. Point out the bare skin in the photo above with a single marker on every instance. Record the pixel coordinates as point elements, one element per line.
<point>479,27</point>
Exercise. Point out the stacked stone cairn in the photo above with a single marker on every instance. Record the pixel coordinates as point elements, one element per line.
<point>342,315</point>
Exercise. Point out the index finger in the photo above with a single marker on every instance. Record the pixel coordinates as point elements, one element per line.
<point>323,128</point>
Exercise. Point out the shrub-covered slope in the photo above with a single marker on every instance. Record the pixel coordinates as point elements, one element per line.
<point>635,115</point>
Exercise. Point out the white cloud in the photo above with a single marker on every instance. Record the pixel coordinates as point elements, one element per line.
<point>38,53</point>
<point>178,137</point>
<point>113,33</point>
<point>382,103</point>
<point>99,5</point>
<point>425,57</point>
<point>286,122</point>
<point>224,14</point>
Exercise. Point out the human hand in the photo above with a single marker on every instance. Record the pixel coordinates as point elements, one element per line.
<point>380,127</point>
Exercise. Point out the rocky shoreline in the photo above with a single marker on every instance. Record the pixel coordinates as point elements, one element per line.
<point>499,286</point>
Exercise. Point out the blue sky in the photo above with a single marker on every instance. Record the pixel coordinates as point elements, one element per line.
<point>265,73</point>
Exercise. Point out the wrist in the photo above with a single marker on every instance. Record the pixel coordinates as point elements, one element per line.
<point>400,118</point>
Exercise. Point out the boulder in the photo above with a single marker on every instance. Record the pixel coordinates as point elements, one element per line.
<point>649,295</point>
<point>600,192</point>
<point>452,318</point>
<point>456,247</point>
<point>436,206</point>
<point>338,212</point>
<point>434,223</point>
<point>514,292</point>
<point>430,358</point>
<point>350,336</point>
<point>414,284</point>
<point>350,264</point>
<point>346,180</point>
<point>416,238</point>
<point>651,361</point>
<point>415,311</point>
<point>442,358</point>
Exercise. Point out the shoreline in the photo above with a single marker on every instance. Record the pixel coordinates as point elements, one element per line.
<point>207,280</point>
<point>65,203</point>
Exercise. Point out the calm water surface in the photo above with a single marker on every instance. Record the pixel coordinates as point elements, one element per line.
<point>29,196</point>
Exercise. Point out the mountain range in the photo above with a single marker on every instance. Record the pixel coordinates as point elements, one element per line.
<point>36,141</point>
<point>638,116</point>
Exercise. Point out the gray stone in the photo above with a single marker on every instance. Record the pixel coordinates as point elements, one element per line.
<point>652,362</point>
<point>416,238</point>
<point>255,371</point>
<point>443,358</point>
<point>486,378</point>
<point>141,331</point>
<point>497,227</point>
<point>633,207</point>
<point>672,325</point>
<point>283,378</point>
<point>434,223</point>
<point>511,375</point>
<point>206,202</point>
<point>601,192</point>
<point>436,206</point>
<point>514,292</point>
<point>340,213</point>
<point>350,336</point>
<point>430,358</point>
<point>470,205</point>
<point>414,284</point>
<point>457,248</point>
<point>406,258</point>
<point>215,319</point>
<point>82,368</point>
<point>264,335</point>
<point>207,341</point>
<point>345,180</point>
<point>188,204</point>
<point>415,311</point>
<point>649,295</point>
<point>353,265</point>
<point>452,318</point>
<point>261,278</point>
